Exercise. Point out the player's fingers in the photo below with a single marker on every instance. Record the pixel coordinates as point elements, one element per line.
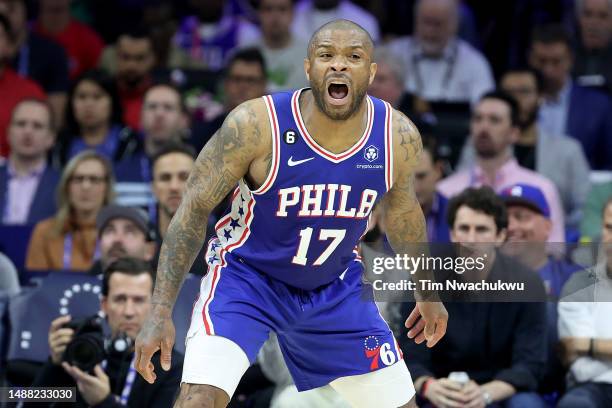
<point>144,365</point>
<point>414,316</point>
<point>439,330</point>
<point>416,329</point>
<point>419,338</point>
<point>166,353</point>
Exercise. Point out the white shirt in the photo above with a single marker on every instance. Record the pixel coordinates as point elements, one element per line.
<point>461,74</point>
<point>308,19</point>
<point>586,313</point>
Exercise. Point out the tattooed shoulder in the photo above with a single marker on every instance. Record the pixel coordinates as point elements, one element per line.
<point>406,138</point>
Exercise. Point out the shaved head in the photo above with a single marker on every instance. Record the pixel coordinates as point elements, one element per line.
<point>344,25</point>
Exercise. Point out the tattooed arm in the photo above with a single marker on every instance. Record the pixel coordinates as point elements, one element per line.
<point>234,149</point>
<point>405,228</point>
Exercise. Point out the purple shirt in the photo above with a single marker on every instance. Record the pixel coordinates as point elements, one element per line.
<point>20,193</point>
<point>509,174</point>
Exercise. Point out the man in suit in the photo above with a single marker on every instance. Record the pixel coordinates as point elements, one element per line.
<point>568,108</point>
<point>27,181</point>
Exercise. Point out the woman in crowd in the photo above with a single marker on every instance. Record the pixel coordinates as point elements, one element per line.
<point>94,120</point>
<point>67,241</point>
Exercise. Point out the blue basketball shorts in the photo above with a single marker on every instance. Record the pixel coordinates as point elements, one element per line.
<point>331,332</point>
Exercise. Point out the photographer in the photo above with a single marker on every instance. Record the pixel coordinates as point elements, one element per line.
<point>126,295</point>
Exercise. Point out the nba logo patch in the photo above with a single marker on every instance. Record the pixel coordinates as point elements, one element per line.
<point>370,153</point>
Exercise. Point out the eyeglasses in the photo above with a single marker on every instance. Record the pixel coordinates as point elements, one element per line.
<point>80,179</point>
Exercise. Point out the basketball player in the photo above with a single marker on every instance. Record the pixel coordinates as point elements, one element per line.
<point>309,166</point>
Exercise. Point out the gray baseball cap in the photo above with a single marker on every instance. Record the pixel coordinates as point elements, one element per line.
<point>138,216</point>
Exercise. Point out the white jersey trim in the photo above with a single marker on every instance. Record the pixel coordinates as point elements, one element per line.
<point>273,118</point>
<point>326,154</point>
<point>388,146</point>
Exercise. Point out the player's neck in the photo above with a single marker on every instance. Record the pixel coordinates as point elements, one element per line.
<point>334,135</point>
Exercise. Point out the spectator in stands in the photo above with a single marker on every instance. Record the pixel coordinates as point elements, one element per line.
<point>528,230</point>
<point>82,45</point>
<point>312,14</point>
<point>135,62</point>
<point>123,232</point>
<point>426,175</point>
<point>127,288</point>
<point>244,79</point>
<point>568,108</point>
<point>9,280</point>
<point>13,87</point>
<point>283,52</point>
<point>172,166</point>
<point>593,51</point>
<point>500,345</point>
<point>590,227</point>
<point>93,121</point>
<point>494,129</point>
<point>163,119</point>
<point>38,58</point>
<point>26,179</point>
<point>557,157</point>
<point>586,331</point>
<point>388,84</point>
<point>160,20</point>
<point>442,67</point>
<point>68,240</point>
<point>213,33</point>
<point>529,227</point>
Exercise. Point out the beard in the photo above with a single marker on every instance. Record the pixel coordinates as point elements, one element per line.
<point>319,90</point>
<point>529,120</point>
<point>485,147</point>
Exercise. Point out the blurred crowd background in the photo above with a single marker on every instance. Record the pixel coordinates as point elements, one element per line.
<point>104,106</point>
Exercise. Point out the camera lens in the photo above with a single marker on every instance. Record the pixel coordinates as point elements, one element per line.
<point>85,351</point>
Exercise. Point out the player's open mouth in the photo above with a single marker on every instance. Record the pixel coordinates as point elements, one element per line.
<point>338,93</point>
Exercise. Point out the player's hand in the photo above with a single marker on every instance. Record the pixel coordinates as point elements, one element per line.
<point>157,334</point>
<point>427,321</point>
<point>59,338</point>
<point>445,393</point>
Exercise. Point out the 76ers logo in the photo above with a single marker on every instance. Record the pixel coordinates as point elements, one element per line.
<point>376,352</point>
<point>370,153</point>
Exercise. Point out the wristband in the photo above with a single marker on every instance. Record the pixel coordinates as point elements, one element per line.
<point>425,385</point>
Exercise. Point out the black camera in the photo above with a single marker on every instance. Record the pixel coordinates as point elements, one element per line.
<point>90,346</point>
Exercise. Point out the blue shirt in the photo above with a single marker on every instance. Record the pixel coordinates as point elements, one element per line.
<point>554,275</point>
<point>108,148</point>
<point>437,228</point>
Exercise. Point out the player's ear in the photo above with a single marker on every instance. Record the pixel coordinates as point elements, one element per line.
<point>307,68</point>
<point>373,68</point>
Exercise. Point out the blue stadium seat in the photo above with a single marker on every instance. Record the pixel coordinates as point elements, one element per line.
<point>14,240</point>
<point>31,312</point>
<point>183,308</point>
